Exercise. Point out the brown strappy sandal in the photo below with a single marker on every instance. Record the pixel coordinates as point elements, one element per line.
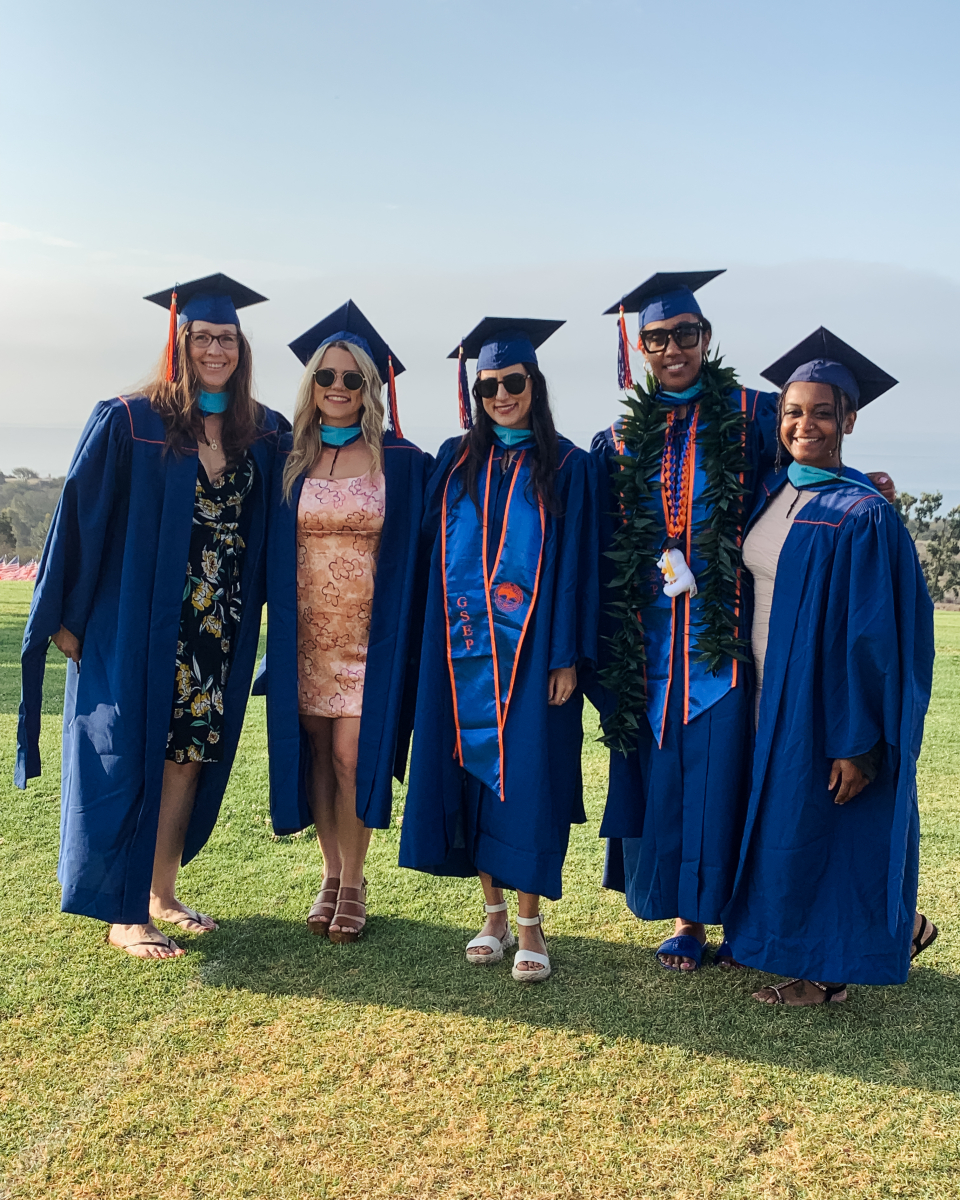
<point>351,906</point>
<point>317,922</point>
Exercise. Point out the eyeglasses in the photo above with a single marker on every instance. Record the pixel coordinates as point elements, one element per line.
<point>514,385</point>
<point>325,377</point>
<point>686,335</point>
<point>226,341</point>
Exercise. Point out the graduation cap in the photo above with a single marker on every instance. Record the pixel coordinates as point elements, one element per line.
<point>498,342</point>
<point>824,358</point>
<point>348,324</point>
<point>664,295</point>
<point>215,298</point>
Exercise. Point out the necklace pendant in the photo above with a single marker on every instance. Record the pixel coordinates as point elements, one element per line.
<point>214,445</point>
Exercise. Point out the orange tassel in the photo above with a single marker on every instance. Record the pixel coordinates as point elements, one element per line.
<point>625,377</point>
<point>392,394</point>
<point>172,339</point>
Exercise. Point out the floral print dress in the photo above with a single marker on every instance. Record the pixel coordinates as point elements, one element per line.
<point>210,615</point>
<point>339,522</point>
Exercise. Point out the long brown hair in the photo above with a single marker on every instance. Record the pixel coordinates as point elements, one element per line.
<point>176,401</point>
<point>306,415</point>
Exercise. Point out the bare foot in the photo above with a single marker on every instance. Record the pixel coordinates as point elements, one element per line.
<point>494,926</point>
<point>175,913</point>
<point>143,941</point>
<point>530,937</point>
<point>693,929</point>
<point>800,993</point>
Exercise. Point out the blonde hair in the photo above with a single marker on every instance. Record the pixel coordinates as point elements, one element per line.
<point>176,400</point>
<point>306,415</point>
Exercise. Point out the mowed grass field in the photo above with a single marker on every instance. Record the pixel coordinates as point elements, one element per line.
<point>269,1063</point>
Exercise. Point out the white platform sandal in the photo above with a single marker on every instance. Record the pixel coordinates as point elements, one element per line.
<point>495,945</point>
<point>533,956</point>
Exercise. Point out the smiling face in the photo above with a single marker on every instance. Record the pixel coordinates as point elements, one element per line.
<point>674,368</point>
<point>808,427</point>
<point>512,412</point>
<point>214,364</point>
<point>337,404</point>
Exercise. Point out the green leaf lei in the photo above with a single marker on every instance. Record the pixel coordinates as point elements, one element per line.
<point>637,541</point>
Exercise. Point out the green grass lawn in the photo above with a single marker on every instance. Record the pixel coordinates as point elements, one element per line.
<point>269,1063</point>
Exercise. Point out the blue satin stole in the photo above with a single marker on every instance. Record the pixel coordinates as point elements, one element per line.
<point>489,599</point>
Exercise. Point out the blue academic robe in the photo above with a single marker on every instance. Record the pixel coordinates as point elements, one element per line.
<point>454,824</point>
<point>389,687</point>
<point>112,572</point>
<point>826,891</point>
<point>675,805</point>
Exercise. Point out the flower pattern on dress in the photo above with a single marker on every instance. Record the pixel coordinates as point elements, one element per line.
<point>209,616</point>
<point>339,522</point>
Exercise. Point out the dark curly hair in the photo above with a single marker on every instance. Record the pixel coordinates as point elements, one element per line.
<point>543,463</point>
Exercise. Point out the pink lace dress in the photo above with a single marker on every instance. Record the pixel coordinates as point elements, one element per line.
<point>339,522</point>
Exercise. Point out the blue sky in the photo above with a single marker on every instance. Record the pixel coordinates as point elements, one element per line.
<point>441,160</point>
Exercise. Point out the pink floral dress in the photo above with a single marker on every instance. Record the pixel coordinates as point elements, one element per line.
<point>339,522</point>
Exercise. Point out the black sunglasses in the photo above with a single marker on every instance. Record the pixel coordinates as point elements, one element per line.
<point>514,385</point>
<point>325,377</point>
<point>686,335</point>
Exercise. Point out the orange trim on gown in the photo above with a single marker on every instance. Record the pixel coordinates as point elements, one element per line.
<point>339,522</point>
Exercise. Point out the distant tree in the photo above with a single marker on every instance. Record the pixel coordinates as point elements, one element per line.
<point>24,473</point>
<point>8,539</point>
<point>39,534</point>
<point>939,539</point>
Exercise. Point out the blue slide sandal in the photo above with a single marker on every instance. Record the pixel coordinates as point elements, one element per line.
<point>684,945</point>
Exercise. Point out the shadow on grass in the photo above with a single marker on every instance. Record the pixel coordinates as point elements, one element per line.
<point>605,989</point>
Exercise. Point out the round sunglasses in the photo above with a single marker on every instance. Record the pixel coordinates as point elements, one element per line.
<point>514,385</point>
<point>325,377</point>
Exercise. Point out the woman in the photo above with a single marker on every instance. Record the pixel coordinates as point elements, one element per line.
<point>152,582</point>
<point>342,593</point>
<point>683,466</point>
<point>512,609</point>
<point>842,638</point>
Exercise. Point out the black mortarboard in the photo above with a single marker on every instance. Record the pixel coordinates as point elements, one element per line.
<point>498,342</point>
<point>824,358</point>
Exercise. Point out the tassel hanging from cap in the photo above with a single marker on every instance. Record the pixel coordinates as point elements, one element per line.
<point>463,392</point>
<point>172,340</point>
<point>623,354</point>
<point>392,396</point>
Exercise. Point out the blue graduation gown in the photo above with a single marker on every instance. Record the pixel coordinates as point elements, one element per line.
<point>453,824</point>
<point>675,805</point>
<point>826,891</point>
<point>389,687</point>
<point>112,572</point>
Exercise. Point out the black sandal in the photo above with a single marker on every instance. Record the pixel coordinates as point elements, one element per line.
<point>919,945</point>
<point>830,993</point>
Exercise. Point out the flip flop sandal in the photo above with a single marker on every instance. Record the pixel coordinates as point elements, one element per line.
<point>495,945</point>
<point>830,993</point>
<point>162,940</point>
<point>190,914</point>
<point>534,956</point>
<point>919,945</point>
<point>316,922</point>
<point>723,957</point>
<point>352,908</point>
<point>683,945</point>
